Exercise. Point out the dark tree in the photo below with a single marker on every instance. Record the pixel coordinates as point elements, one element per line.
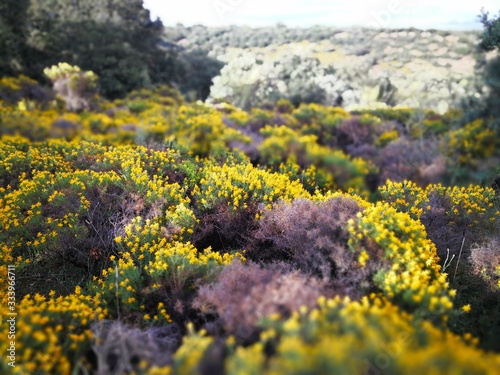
<point>13,47</point>
<point>114,38</point>
<point>490,40</point>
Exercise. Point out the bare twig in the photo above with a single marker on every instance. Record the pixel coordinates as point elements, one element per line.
<point>116,286</point>
<point>446,263</point>
<point>459,255</point>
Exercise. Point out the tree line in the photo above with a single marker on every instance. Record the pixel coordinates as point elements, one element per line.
<point>116,39</point>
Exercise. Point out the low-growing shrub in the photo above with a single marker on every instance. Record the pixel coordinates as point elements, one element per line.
<point>408,270</point>
<point>243,294</point>
<point>356,131</point>
<point>485,260</point>
<point>416,160</point>
<point>223,228</point>
<point>313,238</point>
<point>121,349</point>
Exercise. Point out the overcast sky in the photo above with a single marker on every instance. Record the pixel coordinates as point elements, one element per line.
<point>437,14</point>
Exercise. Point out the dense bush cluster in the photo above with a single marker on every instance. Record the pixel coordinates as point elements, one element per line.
<point>249,80</point>
<point>155,236</point>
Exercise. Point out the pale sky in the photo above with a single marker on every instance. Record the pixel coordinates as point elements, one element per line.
<point>423,14</point>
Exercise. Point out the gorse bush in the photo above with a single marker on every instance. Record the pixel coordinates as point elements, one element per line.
<point>304,342</point>
<point>369,336</point>
<point>473,141</point>
<point>449,214</point>
<point>23,90</point>
<point>410,273</point>
<point>53,332</point>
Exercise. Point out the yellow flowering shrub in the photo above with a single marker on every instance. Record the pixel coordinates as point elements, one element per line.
<point>43,214</point>
<point>411,275</point>
<point>285,145</point>
<point>473,141</point>
<point>16,90</point>
<point>313,179</point>
<point>201,130</point>
<point>35,125</point>
<point>387,137</point>
<point>401,115</point>
<point>155,258</point>
<point>473,205</point>
<point>99,123</point>
<point>356,337</point>
<point>237,116</point>
<point>431,126</point>
<point>179,264</point>
<point>63,69</point>
<point>52,333</point>
<point>188,357</point>
<point>14,161</point>
<point>316,113</point>
<point>404,196</point>
<point>238,185</point>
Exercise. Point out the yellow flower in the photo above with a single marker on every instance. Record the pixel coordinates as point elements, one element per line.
<point>466,308</point>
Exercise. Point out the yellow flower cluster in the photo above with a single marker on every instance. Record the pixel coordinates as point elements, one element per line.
<point>41,209</point>
<point>155,188</point>
<point>324,117</point>
<point>151,246</point>
<point>201,130</point>
<point>237,116</point>
<point>179,257</point>
<point>51,333</point>
<point>158,249</point>
<point>337,170</point>
<point>405,196</point>
<point>387,137</point>
<point>238,185</point>
<point>15,83</point>
<point>63,69</point>
<point>193,348</point>
<point>474,202</point>
<point>412,273</point>
<point>470,142</point>
<point>469,200</point>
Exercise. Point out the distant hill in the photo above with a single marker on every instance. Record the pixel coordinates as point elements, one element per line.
<point>433,69</point>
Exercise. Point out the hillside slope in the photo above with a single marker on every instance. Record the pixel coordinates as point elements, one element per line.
<point>354,67</point>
